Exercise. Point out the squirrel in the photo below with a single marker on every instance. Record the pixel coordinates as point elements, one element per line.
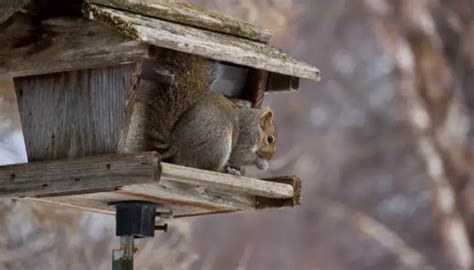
<point>193,126</point>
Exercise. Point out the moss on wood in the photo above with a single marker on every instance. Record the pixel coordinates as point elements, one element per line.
<point>115,22</point>
<point>201,42</point>
<point>190,15</point>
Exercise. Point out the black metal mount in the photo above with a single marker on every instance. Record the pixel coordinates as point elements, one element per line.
<point>135,218</point>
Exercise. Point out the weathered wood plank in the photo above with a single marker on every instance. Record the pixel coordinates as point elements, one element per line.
<point>185,200</point>
<point>73,114</point>
<point>204,213</point>
<point>295,201</point>
<point>62,44</point>
<point>80,175</point>
<point>227,182</point>
<point>192,195</point>
<point>78,202</point>
<point>182,199</point>
<point>187,14</point>
<point>8,7</point>
<point>185,195</point>
<point>100,203</point>
<point>201,42</point>
<point>280,82</point>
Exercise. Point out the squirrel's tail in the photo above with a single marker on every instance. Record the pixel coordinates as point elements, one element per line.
<point>169,86</point>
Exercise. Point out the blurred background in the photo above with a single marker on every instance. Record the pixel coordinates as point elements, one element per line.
<point>383,145</point>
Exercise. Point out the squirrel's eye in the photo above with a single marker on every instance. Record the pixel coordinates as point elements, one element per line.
<point>270,139</point>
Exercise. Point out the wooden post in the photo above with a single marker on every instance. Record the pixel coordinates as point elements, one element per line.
<point>256,85</point>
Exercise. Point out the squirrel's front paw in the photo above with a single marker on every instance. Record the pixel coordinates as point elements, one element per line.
<point>232,171</point>
<point>262,164</point>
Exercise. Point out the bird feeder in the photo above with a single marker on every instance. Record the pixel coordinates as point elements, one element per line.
<point>77,69</point>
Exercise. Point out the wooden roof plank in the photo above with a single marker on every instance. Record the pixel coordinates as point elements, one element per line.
<point>67,44</point>
<point>209,44</point>
<point>187,14</point>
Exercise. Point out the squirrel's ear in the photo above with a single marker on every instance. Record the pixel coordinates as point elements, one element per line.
<point>266,117</point>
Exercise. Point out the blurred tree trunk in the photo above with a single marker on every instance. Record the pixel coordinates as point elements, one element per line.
<point>432,47</point>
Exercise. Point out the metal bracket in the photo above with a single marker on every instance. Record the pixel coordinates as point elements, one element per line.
<point>134,219</point>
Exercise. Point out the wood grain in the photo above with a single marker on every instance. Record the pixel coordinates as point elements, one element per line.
<point>205,43</point>
<point>81,175</point>
<point>73,114</point>
<point>62,44</point>
<point>192,195</point>
<point>101,203</point>
<point>188,192</point>
<point>187,14</point>
<point>8,7</point>
<point>184,200</point>
<point>295,201</point>
<point>227,182</point>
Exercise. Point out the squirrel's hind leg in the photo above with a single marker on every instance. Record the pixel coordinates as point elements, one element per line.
<point>202,148</point>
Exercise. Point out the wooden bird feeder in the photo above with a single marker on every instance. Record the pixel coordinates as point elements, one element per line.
<point>74,65</point>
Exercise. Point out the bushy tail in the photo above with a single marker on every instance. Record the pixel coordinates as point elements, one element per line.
<point>168,86</point>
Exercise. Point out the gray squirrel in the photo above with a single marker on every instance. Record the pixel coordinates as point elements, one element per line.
<point>193,126</point>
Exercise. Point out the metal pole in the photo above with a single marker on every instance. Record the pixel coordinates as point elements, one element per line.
<point>122,259</point>
<point>134,219</point>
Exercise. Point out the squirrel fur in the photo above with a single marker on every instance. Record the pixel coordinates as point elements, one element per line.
<point>193,126</point>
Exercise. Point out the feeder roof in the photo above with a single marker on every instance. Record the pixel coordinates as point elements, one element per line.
<point>71,44</point>
<point>185,28</point>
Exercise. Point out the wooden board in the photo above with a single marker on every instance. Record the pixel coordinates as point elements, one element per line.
<point>122,177</point>
<point>256,85</point>
<point>226,182</point>
<point>295,201</point>
<point>82,175</point>
<point>73,114</point>
<point>187,14</point>
<point>101,203</point>
<point>201,42</point>
<point>62,44</point>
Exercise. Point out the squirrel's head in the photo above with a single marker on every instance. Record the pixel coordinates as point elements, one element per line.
<point>269,135</point>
